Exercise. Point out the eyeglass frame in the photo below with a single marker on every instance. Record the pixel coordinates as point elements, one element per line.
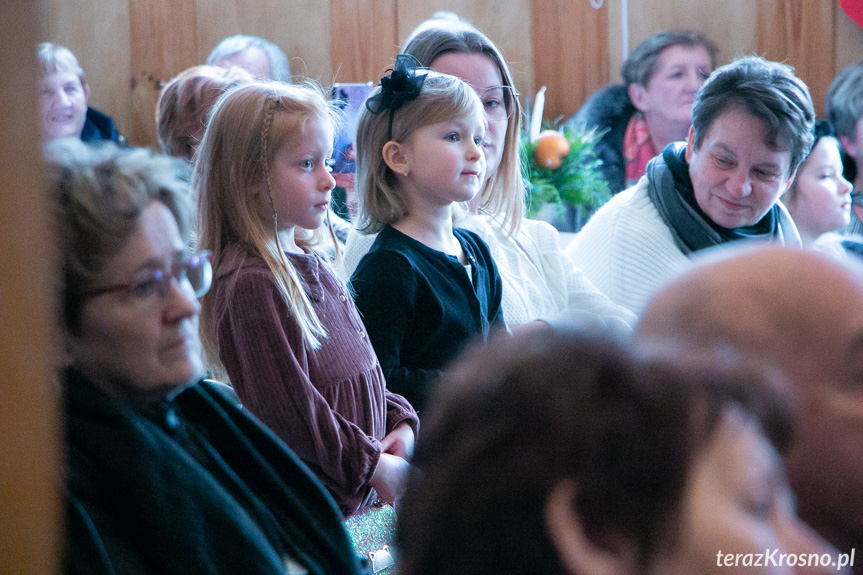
<point>510,94</point>
<point>179,271</point>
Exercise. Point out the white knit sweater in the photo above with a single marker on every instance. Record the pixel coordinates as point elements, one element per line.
<point>626,249</point>
<point>628,252</point>
<point>539,281</point>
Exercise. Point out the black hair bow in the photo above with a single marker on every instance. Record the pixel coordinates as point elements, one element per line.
<point>400,86</point>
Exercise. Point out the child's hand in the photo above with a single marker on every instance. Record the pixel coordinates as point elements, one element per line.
<point>400,441</point>
<point>390,477</point>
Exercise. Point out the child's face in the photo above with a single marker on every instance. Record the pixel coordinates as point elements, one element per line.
<point>482,74</point>
<point>300,178</point>
<point>823,199</point>
<point>445,160</point>
<point>62,105</point>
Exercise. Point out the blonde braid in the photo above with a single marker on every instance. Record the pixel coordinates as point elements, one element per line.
<point>271,103</point>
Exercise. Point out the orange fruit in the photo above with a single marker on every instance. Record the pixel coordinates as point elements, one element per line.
<point>551,147</point>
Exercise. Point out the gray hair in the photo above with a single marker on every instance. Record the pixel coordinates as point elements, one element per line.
<point>768,91</point>
<point>844,105</point>
<point>98,194</point>
<point>280,68</point>
<point>641,64</point>
<point>54,58</point>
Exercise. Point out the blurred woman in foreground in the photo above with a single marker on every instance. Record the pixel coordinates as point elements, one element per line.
<point>165,474</point>
<point>563,452</point>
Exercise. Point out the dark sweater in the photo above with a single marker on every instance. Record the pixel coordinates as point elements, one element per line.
<point>192,485</point>
<point>330,405</point>
<point>421,308</point>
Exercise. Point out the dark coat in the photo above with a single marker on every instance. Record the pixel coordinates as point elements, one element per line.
<point>608,109</point>
<point>194,486</point>
<point>100,127</point>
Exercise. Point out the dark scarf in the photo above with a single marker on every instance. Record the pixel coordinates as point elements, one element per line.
<point>670,189</point>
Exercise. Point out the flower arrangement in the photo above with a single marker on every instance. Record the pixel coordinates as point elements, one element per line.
<point>560,165</point>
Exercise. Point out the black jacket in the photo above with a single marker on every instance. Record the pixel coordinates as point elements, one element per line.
<point>608,109</point>
<point>194,486</point>
<point>99,127</point>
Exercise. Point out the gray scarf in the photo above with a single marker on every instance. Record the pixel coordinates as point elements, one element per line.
<point>670,189</point>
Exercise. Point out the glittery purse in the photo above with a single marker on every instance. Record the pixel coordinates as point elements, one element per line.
<point>373,530</point>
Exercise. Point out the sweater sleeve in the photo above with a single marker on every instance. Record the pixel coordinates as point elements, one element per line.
<point>385,292</point>
<point>263,353</point>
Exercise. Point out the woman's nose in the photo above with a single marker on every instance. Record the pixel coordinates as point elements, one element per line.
<point>740,184</point>
<point>181,303</point>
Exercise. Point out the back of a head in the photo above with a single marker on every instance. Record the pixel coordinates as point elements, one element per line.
<point>514,419</point>
<point>54,58</point>
<point>185,103</point>
<point>280,67</point>
<point>765,301</point>
<point>642,63</point>
<point>844,101</point>
<point>442,98</point>
<point>99,193</point>
<point>768,91</point>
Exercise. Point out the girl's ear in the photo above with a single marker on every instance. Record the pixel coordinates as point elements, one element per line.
<point>576,552</point>
<point>395,158</point>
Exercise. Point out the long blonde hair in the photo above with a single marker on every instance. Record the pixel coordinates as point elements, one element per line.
<point>247,127</point>
<point>379,200</point>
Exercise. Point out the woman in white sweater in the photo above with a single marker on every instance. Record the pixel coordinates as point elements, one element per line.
<point>751,128</point>
<point>539,280</point>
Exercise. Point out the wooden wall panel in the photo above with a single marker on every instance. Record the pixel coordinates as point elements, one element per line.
<point>29,418</point>
<point>506,22</point>
<point>795,32</point>
<point>161,47</point>
<point>98,34</point>
<point>563,44</point>
<point>730,24</point>
<point>299,27</point>
<point>363,39</point>
<point>569,53</point>
<point>848,41</point>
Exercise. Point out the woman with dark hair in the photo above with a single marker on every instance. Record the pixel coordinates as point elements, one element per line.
<point>565,453</point>
<point>164,472</point>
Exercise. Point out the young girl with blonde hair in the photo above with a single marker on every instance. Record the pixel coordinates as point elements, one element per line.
<point>278,322</point>
<point>424,288</point>
<point>539,280</point>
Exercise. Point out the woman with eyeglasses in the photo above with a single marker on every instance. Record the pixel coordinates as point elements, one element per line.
<point>164,472</point>
<point>539,281</point>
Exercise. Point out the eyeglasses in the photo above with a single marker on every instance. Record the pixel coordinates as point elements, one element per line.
<point>192,269</point>
<point>857,198</point>
<point>498,102</point>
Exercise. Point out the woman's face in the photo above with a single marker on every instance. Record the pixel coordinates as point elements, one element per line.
<point>479,71</point>
<point>737,507</point>
<point>132,345</point>
<point>823,199</point>
<point>670,92</point>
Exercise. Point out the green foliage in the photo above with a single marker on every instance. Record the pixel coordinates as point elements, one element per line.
<point>577,181</point>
